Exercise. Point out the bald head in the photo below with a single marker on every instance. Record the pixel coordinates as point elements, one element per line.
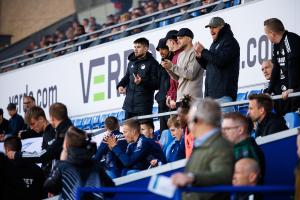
<point>266,68</point>
<point>246,172</point>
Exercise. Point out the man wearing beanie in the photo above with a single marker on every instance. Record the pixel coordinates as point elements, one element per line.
<point>187,71</point>
<point>221,62</point>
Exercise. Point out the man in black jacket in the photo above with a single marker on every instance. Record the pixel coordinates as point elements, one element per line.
<point>31,176</point>
<point>140,80</point>
<point>221,62</point>
<point>77,169</point>
<point>286,60</point>
<point>164,83</point>
<point>260,111</point>
<point>16,121</point>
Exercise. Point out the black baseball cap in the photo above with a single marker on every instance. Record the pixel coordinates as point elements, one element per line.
<point>162,44</point>
<point>185,32</point>
<point>172,34</point>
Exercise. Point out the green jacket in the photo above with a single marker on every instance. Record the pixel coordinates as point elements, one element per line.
<point>211,163</point>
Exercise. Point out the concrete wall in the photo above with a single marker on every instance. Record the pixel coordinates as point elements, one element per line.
<point>21,18</point>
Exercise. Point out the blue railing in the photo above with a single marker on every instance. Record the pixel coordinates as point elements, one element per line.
<point>268,189</point>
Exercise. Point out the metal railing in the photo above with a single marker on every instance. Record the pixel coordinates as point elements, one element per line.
<point>274,189</point>
<point>107,35</point>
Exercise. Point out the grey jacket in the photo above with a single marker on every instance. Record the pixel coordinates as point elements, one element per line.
<point>189,75</point>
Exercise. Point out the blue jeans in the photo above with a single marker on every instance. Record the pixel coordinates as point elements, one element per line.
<point>226,99</point>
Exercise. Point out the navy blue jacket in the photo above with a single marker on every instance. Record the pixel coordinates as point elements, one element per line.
<point>111,161</point>
<point>176,150</point>
<point>221,62</point>
<point>139,154</point>
<point>139,98</point>
<point>15,124</point>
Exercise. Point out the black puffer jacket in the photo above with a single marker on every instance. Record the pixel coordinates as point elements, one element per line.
<point>221,62</point>
<point>139,98</point>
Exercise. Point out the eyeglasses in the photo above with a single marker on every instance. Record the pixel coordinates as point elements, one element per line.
<point>225,129</point>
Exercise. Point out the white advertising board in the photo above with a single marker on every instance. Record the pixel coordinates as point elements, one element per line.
<point>85,81</point>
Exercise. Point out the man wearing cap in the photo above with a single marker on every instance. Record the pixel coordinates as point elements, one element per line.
<point>221,62</point>
<point>187,71</point>
<point>164,83</point>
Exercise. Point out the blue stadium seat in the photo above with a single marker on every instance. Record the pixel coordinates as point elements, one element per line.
<point>195,13</point>
<point>254,92</point>
<point>164,23</point>
<point>242,108</point>
<point>95,122</point>
<point>87,123</point>
<point>78,123</point>
<point>102,119</point>
<point>121,115</point>
<point>114,114</point>
<point>292,119</point>
<point>176,19</point>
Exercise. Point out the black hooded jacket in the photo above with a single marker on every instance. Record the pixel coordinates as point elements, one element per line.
<point>221,62</point>
<point>79,170</point>
<point>139,98</point>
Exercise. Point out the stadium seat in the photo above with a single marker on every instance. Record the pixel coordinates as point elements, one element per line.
<point>254,92</point>
<point>87,123</point>
<point>292,119</point>
<point>114,114</point>
<point>121,115</point>
<point>164,23</point>
<point>195,13</point>
<point>95,122</point>
<point>153,25</point>
<point>242,108</point>
<point>78,123</point>
<point>94,43</point>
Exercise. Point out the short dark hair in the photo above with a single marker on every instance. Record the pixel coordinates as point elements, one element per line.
<point>11,106</point>
<point>29,97</point>
<point>263,100</point>
<point>236,116</point>
<point>274,25</point>
<point>13,143</point>
<point>142,41</point>
<point>59,111</point>
<point>75,138</point>
<point>185,103</point>
<point>133,124</point>
<point>1,111</point>
<point>148,123</point>
<point>111,123</point>
<point>34,113</point>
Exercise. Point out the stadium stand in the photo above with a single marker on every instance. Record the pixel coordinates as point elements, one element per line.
<point>89,113</point>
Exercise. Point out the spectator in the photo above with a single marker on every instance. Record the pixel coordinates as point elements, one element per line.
<point>140,81</point>
<point>266,68</point>
<point>260,111</point>
<point>16,122</point>
<point>79,30</point>
<point>112,164</point>
<point>140,151</point>
<point>30,173</point>
<point>77,169</point>
<point>28,102</point>
<point>147,129</point>
<point>86,25</point>
<point>94,23</point>
<point>3,125</point>
<point>221,62</point>
<point>212,160</point>
<point>187,71</point>
<point>176,149</point>
<point>246,173</point>
<point>182,116</point>
<point>235,130</point>
<point>286,60</point>
<point>164,80</point>
<point>37,121</point>
<point>174,47</point>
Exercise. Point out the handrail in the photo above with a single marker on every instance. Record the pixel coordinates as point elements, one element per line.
<point>107,35</point>
<point>282,189</point>
<point>235,103</point>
